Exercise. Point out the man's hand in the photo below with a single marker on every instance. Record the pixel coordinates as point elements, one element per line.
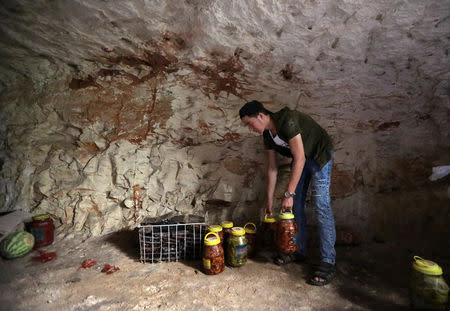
<point>286,204</point>
<point>268,209</point>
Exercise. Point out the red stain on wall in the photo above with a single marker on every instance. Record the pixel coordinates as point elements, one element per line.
<point>388,125</point>
<point>345,182</point>
<point>221,76</point>
<point>114,93</point>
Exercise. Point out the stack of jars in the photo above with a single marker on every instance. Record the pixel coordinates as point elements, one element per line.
<point>234,244</point>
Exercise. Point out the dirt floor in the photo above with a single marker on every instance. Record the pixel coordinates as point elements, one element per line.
<point>371,276</point>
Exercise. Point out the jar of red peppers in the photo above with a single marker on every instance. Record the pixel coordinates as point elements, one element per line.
<point>286,235</point>
<point>236,254</point>
<point>250,234</point>
<point>213,258</point>
<point>42,229</point>
<point>217,229</point>
<point>267,232</point>
<point>226,228</point>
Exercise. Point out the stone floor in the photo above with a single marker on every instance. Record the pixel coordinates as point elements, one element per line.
<point>371,276</point>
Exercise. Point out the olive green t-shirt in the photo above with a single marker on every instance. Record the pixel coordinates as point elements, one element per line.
<point>316,142</point>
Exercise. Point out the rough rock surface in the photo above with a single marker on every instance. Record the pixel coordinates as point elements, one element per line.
<point>115,110</point>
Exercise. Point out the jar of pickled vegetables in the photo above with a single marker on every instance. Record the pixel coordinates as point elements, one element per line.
<point>286,235</point>
<point>226,228</point>
<point>42,229</point>
<point>236,249</point>
<point>427,288</point>
<point>267,232</point>
<point>213,258</point>
<point>250,234</point>
<point>217,229</point>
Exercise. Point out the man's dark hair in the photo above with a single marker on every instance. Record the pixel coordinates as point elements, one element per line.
<point>251,109</point>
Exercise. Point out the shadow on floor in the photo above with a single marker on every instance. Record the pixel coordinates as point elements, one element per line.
<point>127,241</point>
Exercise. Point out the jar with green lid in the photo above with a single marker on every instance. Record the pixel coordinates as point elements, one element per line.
<point>286,235</point>
<point>267,232</point>
<point>213,257</point>
<point>226,228</point>
<point>252,242</point>
<point>42,229</point>
<point>236,249</point>
<point>427,288</point>
<point>217,229</point>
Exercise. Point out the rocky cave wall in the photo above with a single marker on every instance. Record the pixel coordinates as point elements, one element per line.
<point>116,110</point>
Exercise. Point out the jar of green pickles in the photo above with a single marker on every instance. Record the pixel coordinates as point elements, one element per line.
<point>250,234</point>
<point>217,229</point>
<point>427,288</point>
<point>226,228</point>
<point>236,249</point>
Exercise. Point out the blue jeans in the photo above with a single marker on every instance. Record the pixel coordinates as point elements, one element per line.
<point>319,179</point>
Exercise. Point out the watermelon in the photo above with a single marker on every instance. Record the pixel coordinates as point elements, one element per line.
<point>16,244</point>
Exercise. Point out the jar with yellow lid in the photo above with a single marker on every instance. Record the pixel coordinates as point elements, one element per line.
<point>286,235</point>
<point>267,232</point>
<point>250,234</point>
<point>213,258</point>
<point>226,228</point>
<point>236,249</point>
<point>427,288</point>
<point>217,229</point>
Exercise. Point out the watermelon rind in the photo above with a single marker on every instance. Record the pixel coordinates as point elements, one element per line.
<point>16,244</point>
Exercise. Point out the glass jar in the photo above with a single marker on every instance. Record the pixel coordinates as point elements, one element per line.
<point>427,288</point>
<point>226,228</point>
<point>236,249</point>
<point>42,229</point>
<point>213,258</point>
<point>267,233</point>
<point>250,234</point>
<point>217,229</point>
<point>286,235</point>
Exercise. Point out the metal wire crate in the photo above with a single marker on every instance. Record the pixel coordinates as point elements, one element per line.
<point>171,241</point>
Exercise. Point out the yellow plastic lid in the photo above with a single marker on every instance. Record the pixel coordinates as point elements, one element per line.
<point>41,217</point>
<point>227,224</point>
<point>287,215</point>
<point>211,241</point>
<point>268,219</point>
<point>250,230</point>
<point>426,266</point>
<point>237,231</point>
<point>215,228</point>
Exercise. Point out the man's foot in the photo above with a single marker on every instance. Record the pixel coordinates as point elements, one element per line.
<point>283,259</point>
<point>323,275</point>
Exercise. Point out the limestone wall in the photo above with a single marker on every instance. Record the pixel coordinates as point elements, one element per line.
<point>116,110</point>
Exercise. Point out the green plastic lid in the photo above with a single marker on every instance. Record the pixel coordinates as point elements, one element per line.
<point>41,217</point>
<point>426,266</point>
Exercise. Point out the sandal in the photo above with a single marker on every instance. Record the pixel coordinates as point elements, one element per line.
<point>325,271</point>
<point>284,259</point>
